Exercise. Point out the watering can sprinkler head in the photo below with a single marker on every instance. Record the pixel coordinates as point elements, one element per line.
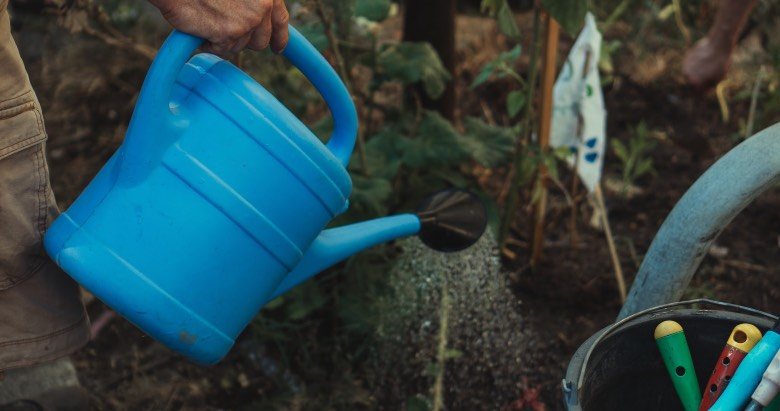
<point>451,220</point>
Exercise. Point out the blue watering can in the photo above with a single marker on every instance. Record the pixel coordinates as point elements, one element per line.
<point>217,200</point>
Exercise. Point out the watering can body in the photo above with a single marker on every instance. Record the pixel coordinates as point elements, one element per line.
<point>215,197</point>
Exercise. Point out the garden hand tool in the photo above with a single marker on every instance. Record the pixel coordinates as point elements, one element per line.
<point>748,376</point>
<point>670,338</point>
<point>217,199</point>
<point>742,338</point>
<point>767,389</point>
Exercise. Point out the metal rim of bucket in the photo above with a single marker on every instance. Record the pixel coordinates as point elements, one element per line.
<point>608,331</point>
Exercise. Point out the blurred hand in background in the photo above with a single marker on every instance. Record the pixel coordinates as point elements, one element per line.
<point>229,26</point>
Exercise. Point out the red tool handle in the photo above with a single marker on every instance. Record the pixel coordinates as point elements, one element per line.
<point>727,364</point>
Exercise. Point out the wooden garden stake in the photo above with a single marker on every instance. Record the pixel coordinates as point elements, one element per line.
<point>621,281</point>
<point>545,120</point>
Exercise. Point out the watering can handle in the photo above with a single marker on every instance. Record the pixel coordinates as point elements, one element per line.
<point>178,48</point>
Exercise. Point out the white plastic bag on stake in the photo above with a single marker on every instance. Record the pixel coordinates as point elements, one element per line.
<point>579,117</point>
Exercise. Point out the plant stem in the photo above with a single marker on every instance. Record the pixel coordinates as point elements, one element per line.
<point>327,24</point>
<point>754,102</point>
<point>105,31</point>
<point>441,354</point>
<point>680,24</point>
<point>330,33</point>
<point>616,13</point>
<point>621,282</point>
<point>528,115</point>
<point>368,108</point>
<point>509,71</point>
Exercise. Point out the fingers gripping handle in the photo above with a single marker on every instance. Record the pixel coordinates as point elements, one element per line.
<point>178,47</point>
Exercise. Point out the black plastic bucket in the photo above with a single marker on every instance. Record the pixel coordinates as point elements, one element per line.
<point>620,368</point>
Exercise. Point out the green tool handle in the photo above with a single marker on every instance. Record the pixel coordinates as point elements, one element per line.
<point>677,358</point>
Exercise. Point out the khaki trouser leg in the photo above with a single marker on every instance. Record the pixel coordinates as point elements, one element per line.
<point>41,314</point>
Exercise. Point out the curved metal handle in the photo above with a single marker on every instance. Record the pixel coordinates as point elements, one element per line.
<point>701,214</point>
<point>155,94</point>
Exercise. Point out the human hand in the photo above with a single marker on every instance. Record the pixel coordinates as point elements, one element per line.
<point>229,26</point>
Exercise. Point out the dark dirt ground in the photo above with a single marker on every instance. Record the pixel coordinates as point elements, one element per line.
<point>566,300</point>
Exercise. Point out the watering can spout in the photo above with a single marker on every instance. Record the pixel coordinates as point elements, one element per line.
<point>450,220</point>
<point>337,244</point>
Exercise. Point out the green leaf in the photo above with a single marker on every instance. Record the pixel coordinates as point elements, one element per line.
<point>506,22</point>
<point>605,59</point>
<point>641,132</point>
<point>383,154</point>
<point>374,10</point>
<point>510,57</point>
<point>570,14</point>
<point>503,13</point>
<point>515,102</point>
<point>490,146</point>
<point>645,166</point>
<point>436,144</point>
<point>483,76</point>
<point>562,153</point>
<point>432,369</point>
<point>370,194</point>
<point>620,150</point>
<point>527,171</point>
<point>635,157</point>
<point>452,353</point>
<point>418,403</point>
<point>411,62</point>
<point>307,298</point>
<point>453,179</point>
<point>551,162</point>
<point>315,33</point>
<point>499,67</point>
<point>275,303</point>
<point>491,6</point>
<point>323,127</point>
<point>536,194</point>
